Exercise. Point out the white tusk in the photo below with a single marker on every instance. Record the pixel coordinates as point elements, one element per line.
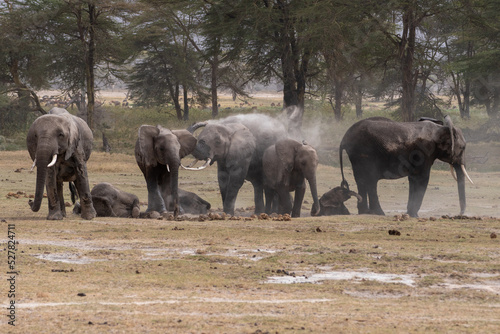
<point>201,167</point>
<point>53,162</point>
<point>168,168</point>
<point>467,175</point>
<point>453,172</point>
<point>34,164</point>
<point>193,163</point>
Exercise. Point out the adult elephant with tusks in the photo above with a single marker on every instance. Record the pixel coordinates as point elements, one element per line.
<point>60,145</point>
<point>379,148</point>
<point>237,143</point>
<point>158,152</point>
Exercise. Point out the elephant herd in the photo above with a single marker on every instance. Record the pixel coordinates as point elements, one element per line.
<point>252,147</point>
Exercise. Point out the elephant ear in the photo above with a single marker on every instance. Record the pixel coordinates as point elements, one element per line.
<point>75,132</point>
<point>286,150</point>
<point>242,144</point>
<point>31,142</point>
<point>145,144</point>
<point>187,141</point>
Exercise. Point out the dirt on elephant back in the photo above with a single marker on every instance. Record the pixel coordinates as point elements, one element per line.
<point>253,274</point>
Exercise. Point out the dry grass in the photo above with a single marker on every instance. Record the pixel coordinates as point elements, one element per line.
<point>191,276</point>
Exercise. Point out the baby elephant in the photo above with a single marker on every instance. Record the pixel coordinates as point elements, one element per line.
<point>286,166</point>
<point>332,202</point>
<point>191,203</point>
<point>109,201</point>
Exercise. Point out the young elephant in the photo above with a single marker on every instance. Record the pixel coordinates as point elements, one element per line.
<point>110,201</point>
<point>286,166</point>
<point>332,202</point>
<point>192,203</point>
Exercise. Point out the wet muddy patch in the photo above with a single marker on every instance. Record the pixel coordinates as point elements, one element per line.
<point>354,276</point>
<point>72,258</point>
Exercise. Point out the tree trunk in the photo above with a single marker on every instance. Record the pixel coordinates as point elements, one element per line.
<point>358,96</point>
<point>213,87</point>
<point>186,103</point>
<point>175,98</point>
<point>406,53</point>
<point>90,63</point>
<point>337,109</point>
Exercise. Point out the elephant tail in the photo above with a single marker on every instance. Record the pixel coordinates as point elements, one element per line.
<point>192,128</point>
<point>344,183</point>
<point>74,193</point>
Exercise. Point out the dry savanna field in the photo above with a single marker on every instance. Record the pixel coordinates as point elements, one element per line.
<point>339,274</point>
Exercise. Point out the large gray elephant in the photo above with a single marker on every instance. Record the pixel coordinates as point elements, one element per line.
<point>60,145</point>
<point>379,148</point>
<point>110,201</point>
<point>332,202</point>
<point>158,152</point>
<point>238,143</point>
<point>286,165</point>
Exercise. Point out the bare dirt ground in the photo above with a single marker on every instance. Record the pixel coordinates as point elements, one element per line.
<point>344,274</point>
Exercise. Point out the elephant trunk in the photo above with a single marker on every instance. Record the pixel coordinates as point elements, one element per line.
<point>461,186</point>
<point>174,184</point>
<point>314,192</point>
<point>355,194</point>
<point>43,158</point>
<point>173,164</point>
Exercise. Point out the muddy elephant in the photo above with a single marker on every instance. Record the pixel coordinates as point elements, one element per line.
<point>238,143</point>
<point>158,152</point>
<point>192,203</point>
<point>332,202</point>
<point>286,165</point>
<point>110,201</point>
<point>60,145</point>
<point>379,148</point>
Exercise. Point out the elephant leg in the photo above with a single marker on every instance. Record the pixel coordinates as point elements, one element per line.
<point>285,201</point>
<point>258,195</point>
<point>230,184</point>
<point>60,195</point>
<point>82,186</point>
<point>297,201</point>
<point>375,207</point>
<point>52,196</point>
<point>269,200</point>
<point>418,186</point>
<point>155,199</point>
<point>363,205</point>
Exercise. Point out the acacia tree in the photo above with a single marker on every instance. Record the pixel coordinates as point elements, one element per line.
<point>87,39</point>
<point>24,55</point>
<point>400,21</point>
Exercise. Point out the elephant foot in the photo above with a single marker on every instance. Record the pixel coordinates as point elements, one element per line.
<point>135,212</point>
<point>57,215</point>
<point>89,213</point>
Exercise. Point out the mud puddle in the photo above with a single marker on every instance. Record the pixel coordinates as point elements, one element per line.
<point>66,258</point>
<point>357,276</point>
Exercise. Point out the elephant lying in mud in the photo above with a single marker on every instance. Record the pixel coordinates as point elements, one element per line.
<point>191,203</point>
<point>332,202</point>
<point>110,201</point>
